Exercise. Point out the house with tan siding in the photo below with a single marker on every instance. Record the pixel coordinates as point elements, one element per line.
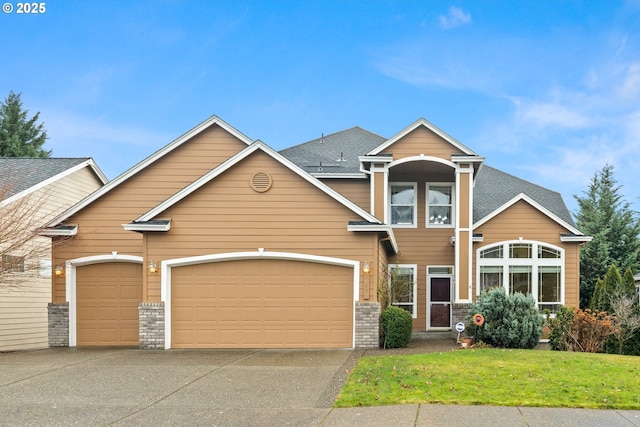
<point>32,192</point>
<point>219,241</point>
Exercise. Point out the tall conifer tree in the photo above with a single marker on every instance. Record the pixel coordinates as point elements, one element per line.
<point>20,136</point>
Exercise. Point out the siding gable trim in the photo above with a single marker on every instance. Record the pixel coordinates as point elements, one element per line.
<point>232,161</point>
<point>213,120</point>
<point>87,163</point>
<point>530,201</point>
<point>431,127</point>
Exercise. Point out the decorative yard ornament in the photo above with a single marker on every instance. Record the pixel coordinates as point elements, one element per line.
<point>478,319</point>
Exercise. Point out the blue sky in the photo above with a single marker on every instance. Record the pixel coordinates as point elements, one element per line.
<point>546,90</point>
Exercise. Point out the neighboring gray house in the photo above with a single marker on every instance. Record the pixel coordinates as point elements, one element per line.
<point>32,192</point>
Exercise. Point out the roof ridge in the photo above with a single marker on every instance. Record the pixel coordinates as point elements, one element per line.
<point>324,136</point>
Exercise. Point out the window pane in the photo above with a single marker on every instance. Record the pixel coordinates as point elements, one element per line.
<point>495,252</point>
<point>520,250</point>
<point>490,277</point>
<point>402,285</point>
<point>440,270</point>
<point>402,195</point>
<point>549,284</point>
<point>546,252</point>
<point>520,279</point>
<point>402,214</point>
<point>440,215</point>
<point>440,195</point>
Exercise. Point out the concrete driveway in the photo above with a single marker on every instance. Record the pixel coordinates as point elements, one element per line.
<point>177,387</point>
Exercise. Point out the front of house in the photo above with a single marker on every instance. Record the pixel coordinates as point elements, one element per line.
<point>218,241</point>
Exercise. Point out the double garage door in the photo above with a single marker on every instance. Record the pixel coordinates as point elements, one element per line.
<point>262,303</point>
<point>255,303</point>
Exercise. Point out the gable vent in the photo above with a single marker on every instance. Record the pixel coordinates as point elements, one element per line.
<point>261,182</point>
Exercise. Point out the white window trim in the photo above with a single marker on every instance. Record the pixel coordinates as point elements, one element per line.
<point>452,220</point>
<point>414,267</point>
<point>505,262</point>
<point>415,204</point>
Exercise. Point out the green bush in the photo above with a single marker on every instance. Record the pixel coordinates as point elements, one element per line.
<point>510,321</point>
<point>396,326</point>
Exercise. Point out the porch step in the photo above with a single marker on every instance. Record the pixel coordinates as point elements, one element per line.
<point>432,335</point>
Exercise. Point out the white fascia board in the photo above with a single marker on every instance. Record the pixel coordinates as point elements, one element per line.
<point>339,175</point>
<point>226,165</point>
<point>584,239</point>
<point>467,159</point>
<point>431,127</point>
<point>53,232</point>
<point>533,203</point>
<point>377,228</point>
<point>147,227</point>
<point>376,159</point>
<point>148,161</point>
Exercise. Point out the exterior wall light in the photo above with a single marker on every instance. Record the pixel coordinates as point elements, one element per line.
<point>59,270</point>
<point>366,268</point>
<point>152,267</point>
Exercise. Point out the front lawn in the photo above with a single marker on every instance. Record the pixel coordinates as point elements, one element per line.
<point>496,377</point>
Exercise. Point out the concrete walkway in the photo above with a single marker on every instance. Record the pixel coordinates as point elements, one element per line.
<point>129,387</point>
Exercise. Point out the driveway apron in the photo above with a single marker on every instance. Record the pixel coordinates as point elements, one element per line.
<point>106,386</point>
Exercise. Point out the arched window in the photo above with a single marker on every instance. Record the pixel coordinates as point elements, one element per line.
<point>528,267</point>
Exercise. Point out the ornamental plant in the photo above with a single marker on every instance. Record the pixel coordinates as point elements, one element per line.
<point>510,321</point>
<point>396,327</point>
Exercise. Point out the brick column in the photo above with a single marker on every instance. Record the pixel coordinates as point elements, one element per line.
<point>459,313</point>
<point>151,323</point>
<point>367,325</point>
<point>58,324</point>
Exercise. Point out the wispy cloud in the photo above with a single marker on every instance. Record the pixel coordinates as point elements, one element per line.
<point>117,146</point>
<point>454,18</point>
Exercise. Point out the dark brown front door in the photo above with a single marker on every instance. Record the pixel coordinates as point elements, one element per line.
<point>440,302</point>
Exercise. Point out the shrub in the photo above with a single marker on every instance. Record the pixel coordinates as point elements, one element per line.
<point>580,330</point>
<point>396,327</point>
<point>560,338</point>
<point>591,330</point>
<point>510,321</point>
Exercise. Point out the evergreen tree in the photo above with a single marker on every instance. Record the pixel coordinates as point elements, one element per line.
<point>19,135</point>
<point>605,215</point>
<point>605,287</point>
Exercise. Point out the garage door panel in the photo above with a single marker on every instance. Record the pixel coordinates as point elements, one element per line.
<point>273,303</point>
<point>107,298</point>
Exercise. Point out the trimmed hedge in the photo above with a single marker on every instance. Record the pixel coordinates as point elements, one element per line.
<point>396,326</point>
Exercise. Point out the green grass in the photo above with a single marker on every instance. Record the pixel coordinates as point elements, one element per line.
<point>496,377</point>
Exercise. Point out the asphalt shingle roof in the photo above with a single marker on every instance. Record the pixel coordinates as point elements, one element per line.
<point>21,173</point>
<point>334,153</point>
<point>492,190</point>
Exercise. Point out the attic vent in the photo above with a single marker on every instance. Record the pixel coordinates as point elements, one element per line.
<point>261,182</point>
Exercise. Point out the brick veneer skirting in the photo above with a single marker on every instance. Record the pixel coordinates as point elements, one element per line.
<point>367,325</point>
<point>58,324</point>
<point>151,320</point>
<point>459,313</point>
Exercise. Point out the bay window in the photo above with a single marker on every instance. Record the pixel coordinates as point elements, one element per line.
<point>528,267</point>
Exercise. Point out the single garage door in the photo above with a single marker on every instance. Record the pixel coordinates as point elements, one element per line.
<point>107,298</point>
<point>262,303</point>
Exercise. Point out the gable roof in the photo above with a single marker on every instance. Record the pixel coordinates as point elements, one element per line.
<point>335,154</point>
<point>232,161</point>
<point>20,176</point>
<point>213,120</point>
<point>495,191</point>
<point>418,123</point>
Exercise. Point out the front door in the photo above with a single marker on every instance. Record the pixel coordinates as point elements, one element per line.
<point>439,302</point>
